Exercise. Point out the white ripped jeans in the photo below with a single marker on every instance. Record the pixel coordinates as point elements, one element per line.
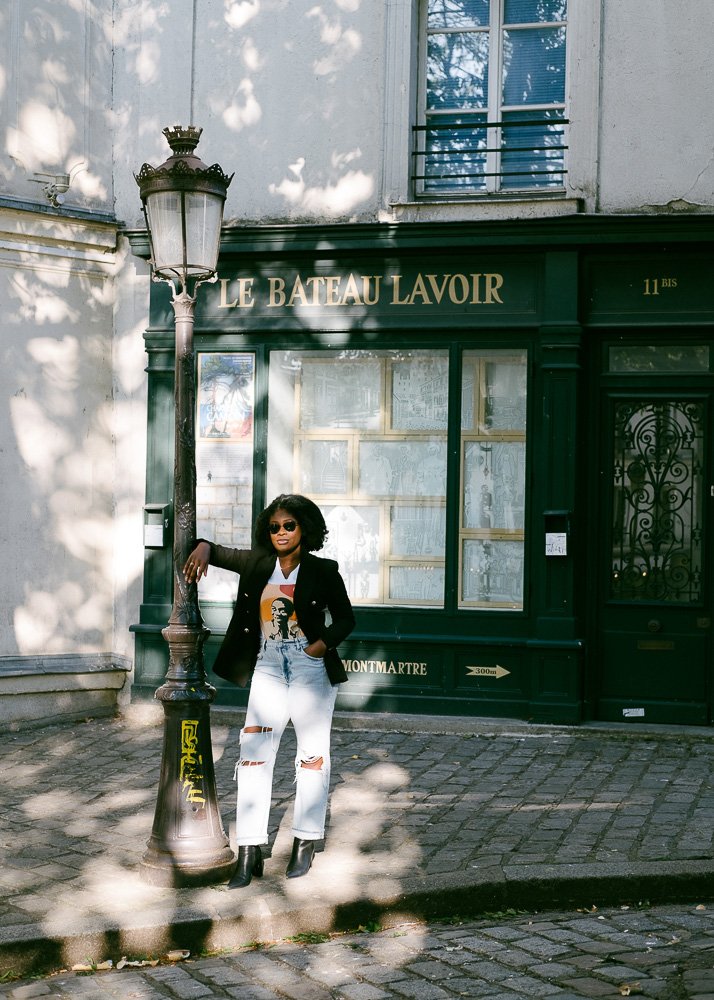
<point>287,685</point>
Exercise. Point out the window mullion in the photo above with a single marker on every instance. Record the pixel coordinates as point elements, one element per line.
<point>495,62</point>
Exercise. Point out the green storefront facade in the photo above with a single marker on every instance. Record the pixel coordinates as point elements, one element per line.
<point>509,429</point>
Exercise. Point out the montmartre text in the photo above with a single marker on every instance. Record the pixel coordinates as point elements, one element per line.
<point>408,669</point>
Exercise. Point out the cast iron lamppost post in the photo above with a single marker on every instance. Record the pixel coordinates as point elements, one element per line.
<point>183,205</point>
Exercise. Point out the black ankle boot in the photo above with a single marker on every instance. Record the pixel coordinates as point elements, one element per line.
<point>301,858</point>
<point>250,863</point>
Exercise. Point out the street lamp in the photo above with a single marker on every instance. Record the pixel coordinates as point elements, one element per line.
<point>183,205</point>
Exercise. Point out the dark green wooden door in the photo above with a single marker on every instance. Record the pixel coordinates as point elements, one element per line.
<point>654,655</point>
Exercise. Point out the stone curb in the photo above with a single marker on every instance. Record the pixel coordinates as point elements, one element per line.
<point>141,713</point>
<point>468,726</point>
<point>27,950</point>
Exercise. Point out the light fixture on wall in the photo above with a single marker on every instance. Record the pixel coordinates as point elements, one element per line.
<point>183,203</point>
<point>55,186</point>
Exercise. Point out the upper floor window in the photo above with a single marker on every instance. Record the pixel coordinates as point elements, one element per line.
<point>492,97</point>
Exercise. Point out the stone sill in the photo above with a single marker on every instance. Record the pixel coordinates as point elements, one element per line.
<point>29,674</point>
<point>46,690</point>
<point>478,210</point>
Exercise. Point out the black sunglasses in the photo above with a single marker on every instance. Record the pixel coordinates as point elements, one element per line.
<point>274,527</point>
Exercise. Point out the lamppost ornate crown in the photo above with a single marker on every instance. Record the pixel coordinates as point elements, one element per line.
<point>183,165</point>
<point>183,205</point>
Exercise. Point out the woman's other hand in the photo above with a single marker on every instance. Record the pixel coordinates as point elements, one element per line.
<point>316,649</point>
<point>197,563</point>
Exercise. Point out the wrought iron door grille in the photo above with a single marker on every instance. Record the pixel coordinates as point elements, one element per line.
<point>459,154</point>
<point>658,501</point>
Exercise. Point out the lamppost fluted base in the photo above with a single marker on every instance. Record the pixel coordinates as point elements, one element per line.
<point>188,845</point>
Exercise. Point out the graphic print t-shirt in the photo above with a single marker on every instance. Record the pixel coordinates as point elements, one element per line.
<point>277,607</point>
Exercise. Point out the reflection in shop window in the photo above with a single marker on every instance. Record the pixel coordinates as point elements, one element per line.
<point>224,459</point>
<point>493,462</point>
<point>364,434</point>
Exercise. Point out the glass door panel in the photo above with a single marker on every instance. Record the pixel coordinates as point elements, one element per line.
<point>653,655</point>
<point>657,501</point>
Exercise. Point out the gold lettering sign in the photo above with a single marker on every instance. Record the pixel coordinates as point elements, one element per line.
<point>317,291</point>
<point>399,668</point>
<point>244,298</point>
<point>653,286</point>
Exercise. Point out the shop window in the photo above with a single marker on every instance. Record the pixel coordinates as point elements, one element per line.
<point>364,434</point>
<point>492,97</point>
<point>224,459</point>
<point>493,462</point>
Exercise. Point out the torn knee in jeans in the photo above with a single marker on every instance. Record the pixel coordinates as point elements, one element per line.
<point>317,764</point>
<point>312,763</point>
<point>256,743</point>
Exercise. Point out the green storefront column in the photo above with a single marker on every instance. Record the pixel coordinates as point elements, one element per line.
<point>556,648</point>
<point>151,648</point>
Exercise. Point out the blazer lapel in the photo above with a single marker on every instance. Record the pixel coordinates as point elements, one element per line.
<point>305,578</point>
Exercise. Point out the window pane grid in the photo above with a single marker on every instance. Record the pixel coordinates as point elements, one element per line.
<point>494,98</point>
<point>457,71</point>
<point>534,25</point>
<point>492,509</point>
<point>531,11</point>
<point>364,434</point>
<point>446,14</point>
<point>224,459</point>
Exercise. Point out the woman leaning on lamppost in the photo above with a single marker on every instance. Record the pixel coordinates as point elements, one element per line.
<point>279,641</point>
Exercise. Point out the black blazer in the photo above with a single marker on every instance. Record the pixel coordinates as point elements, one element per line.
<point>319,588</point>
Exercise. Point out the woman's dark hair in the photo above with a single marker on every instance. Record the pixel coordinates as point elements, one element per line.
<point>307,514</point>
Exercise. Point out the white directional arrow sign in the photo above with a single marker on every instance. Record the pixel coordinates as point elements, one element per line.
<point>487,671</point>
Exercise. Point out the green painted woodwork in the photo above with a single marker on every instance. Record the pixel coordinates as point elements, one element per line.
<point>569,288</point>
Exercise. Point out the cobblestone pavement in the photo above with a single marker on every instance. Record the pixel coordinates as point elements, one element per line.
<point>663,953</point>
<point>421,821</point>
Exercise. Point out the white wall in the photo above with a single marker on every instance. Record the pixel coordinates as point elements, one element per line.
<point>289,94</point>
<point>55,98</point>
<point>58,476</point>
<point>129,387</point>
<point>293,96</point>
<point>71,441</point>
<point>656,118</point>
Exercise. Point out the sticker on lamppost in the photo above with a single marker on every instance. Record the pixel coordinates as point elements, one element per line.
<point>496,671</point>
<point>190,771</point>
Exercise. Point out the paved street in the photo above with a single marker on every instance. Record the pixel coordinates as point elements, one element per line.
<point>429,818</point>
<point>663,953</point>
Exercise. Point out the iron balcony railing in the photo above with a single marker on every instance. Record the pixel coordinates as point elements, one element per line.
<point>466,155</point>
